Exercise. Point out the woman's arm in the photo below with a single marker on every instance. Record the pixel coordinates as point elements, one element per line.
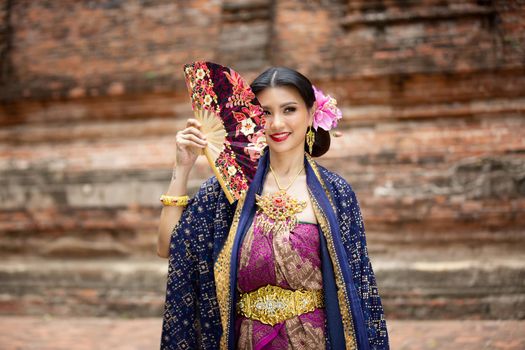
<point>170,215</point>
<point>369,292</point>
<point>191,306</point>
<point>190,143</point>
<point>354,240</point>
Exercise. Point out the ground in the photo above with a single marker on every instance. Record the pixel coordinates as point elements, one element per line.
<point>27,333</point>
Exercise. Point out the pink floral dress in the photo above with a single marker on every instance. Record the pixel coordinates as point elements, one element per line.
<point>289,259</point>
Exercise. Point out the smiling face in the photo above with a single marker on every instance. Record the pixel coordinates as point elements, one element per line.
<point>287,119</point>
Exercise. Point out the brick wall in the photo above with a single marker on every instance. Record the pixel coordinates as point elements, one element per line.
<point>432,92</point>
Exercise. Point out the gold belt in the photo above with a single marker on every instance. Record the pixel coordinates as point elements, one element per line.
<point>272,304</point>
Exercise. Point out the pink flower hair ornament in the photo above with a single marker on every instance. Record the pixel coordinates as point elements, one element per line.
<point>327,113</point>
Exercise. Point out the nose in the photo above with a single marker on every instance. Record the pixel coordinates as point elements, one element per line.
<point>275,121</point>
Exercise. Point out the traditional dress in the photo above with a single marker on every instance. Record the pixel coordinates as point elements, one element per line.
<point>289,259</point>
<point>208,264</point>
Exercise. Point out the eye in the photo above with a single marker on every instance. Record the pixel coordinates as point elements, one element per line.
<point>289,109</point>
<point>266,112</point>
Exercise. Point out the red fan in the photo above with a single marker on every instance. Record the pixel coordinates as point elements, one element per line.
<point>232,120</point>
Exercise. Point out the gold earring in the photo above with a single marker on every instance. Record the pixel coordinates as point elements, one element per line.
<point>310,138</point>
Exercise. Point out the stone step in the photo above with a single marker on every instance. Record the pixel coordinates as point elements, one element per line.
<point>67,287</point>
<point>483,288</point>
<point>461,289</point>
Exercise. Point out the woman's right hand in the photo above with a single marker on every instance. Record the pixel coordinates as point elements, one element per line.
<point>190,143</point>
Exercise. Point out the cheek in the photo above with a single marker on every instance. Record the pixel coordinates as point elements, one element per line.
<point>301,123</point>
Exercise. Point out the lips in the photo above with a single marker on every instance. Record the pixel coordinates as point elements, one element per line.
<point>279,137</point>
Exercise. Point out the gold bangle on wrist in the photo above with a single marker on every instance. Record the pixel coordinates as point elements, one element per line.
<point>174,201</point>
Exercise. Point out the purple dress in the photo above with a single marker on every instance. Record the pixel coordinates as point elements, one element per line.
<point>289,259</point>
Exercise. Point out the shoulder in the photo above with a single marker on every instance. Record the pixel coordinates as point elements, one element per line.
<point>342,194</point>
<point>208,192</point>
<point>211,196</point>
<point>335,181</point>
<point>210,185</point>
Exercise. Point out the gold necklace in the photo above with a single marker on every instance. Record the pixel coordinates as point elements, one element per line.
<point>277,180</point>
<point>279,209</point>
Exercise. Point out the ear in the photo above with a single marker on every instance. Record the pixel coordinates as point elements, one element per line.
<point>312,112</point>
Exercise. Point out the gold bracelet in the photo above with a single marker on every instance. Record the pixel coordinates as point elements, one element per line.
<point>174,201</point>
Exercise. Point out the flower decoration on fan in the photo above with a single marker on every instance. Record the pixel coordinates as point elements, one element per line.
<point>327,113</point>
<point>232,120</point>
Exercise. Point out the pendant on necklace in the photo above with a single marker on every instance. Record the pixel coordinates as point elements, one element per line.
<point>280,211</point>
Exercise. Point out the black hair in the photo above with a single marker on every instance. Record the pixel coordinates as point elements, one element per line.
<point>283,76</point>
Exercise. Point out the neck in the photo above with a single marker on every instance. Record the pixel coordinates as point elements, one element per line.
<point>287,164</point>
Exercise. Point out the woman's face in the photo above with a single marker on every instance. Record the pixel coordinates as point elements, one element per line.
<point>287,119</point>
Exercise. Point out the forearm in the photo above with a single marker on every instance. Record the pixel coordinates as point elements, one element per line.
<point>170,215</point>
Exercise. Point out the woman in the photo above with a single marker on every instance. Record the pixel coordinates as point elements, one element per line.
<point>258,274</point>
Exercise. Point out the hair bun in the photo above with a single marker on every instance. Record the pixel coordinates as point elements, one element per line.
<point>321,143</point>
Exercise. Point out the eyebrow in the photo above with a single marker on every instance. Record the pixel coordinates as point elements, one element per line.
<point>284,104</point>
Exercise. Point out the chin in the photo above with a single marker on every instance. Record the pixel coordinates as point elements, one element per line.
<point>281,148</point>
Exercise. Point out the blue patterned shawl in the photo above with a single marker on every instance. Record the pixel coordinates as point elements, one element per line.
<point>201,286</point>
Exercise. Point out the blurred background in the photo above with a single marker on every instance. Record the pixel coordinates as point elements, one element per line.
<point>92,94</point>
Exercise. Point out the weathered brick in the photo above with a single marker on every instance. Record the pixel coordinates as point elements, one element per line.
<point>92,95</point>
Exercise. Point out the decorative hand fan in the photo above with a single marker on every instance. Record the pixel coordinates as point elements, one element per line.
<point>232,120</point>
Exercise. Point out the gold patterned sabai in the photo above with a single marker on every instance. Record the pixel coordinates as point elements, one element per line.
<point>280,211</point>
<point>272,304</point>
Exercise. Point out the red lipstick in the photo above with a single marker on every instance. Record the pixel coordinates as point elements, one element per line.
<point>279,137</point>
